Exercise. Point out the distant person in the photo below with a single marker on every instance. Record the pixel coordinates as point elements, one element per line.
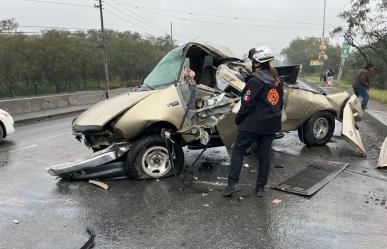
<point>323,77</point>
<point>329,77</point>
<point>361,84</point>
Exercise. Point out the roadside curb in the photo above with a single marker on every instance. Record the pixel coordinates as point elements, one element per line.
<point>19,121</point>
<point>380,126</point>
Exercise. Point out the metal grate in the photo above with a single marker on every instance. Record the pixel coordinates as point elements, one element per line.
<point>311,179</point>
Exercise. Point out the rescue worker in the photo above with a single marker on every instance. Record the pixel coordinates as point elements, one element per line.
<point>258,119</point>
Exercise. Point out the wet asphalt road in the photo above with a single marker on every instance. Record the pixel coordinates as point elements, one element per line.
<point>347,213</point>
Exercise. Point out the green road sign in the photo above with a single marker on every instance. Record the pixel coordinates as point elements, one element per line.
<point>344,51</point>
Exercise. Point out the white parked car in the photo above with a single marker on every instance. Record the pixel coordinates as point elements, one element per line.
<point>6,124</point>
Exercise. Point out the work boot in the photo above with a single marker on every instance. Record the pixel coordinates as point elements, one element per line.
<point>278,135</point>
<point>231,189</point>
<point>260,190</point>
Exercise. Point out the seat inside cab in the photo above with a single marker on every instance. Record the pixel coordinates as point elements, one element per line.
<point>203,64</point>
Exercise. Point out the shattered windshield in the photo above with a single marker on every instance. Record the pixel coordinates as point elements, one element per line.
<point>167,70</point>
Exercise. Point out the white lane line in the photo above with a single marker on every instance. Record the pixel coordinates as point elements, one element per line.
<point>27,145</point>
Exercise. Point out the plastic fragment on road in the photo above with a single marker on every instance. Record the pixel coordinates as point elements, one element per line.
<point>246,165</point>
<point>90,242</point>
<point>204,194</point>
<point>382,161</point>
<point>157,180</point>
<point>15,221</point>
<point>276,201</point>
<point>99,184</point>
<point>195,178</point>
<point>206,205</point>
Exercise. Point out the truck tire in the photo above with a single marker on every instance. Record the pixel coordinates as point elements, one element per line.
<point>2,132</point>
<point>148,159</point>
<point>318,130</point>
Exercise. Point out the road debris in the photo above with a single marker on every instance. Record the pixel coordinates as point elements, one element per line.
<point>278,166</point>
<point>99,184</point>
<point>15,221</point>
<point>90,242</point>
<point>382,161</point>
<point>376,200</point>
<point>204,194</point>
<point>206,166</point>
<point>276,201</point>
<point>221,178</point>
<point>195,178</point>
<point>157,180</point>
<point>246,165</point>
<point>206,205</point>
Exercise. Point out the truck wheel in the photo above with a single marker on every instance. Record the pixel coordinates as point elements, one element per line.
<point>148,159</point>
<point>318,130</point>
<point>1,132</point>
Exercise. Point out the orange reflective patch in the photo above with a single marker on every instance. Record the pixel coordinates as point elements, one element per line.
<point>273,97</point>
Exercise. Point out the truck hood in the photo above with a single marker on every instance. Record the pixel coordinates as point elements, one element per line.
<point>101,113</point>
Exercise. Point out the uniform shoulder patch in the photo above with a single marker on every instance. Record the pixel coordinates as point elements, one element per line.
<point>273,96</point>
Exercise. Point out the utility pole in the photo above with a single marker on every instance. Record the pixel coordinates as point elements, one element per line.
<point>323,35</point>
<point>104,50</point>
<point>171,35</point>
<point>341,69</point>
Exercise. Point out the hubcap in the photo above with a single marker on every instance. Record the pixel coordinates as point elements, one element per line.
<point>320,128</point>
<point>155,161</point>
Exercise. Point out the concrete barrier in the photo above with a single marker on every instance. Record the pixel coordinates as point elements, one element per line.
<point>17,106</point>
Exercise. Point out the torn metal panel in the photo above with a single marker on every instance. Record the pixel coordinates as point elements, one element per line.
<point>228,129</point>
<point>224,73</point>
<point>94,160</point>
<point>352,111</point>
<point>311,179</point>
<point>382,161</point>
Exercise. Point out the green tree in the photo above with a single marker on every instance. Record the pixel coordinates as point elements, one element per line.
<point>365,29</point>
<point>58,56</point>
<point>303,50</point>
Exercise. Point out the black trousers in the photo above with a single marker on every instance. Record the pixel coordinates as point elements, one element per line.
<point>244,141</point>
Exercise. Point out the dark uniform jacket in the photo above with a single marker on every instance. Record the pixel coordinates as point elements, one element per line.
<point>262,101</point>
<point>362,79</point>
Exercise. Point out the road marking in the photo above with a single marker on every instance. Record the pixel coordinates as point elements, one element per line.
<point>27,147</point>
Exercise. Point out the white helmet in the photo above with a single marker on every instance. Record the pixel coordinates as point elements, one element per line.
<point>261,54</point>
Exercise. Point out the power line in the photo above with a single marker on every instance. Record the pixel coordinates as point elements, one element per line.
<point>138,16</point>
<point>217,16</point>
<point>139,22</point>
<point>227,23</point>
<point>122,18</point>
<point>60,3</point>
<point>144,20</point>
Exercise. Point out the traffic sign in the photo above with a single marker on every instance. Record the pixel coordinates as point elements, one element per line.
<point>315,63</point>
<point>344,51</point>
<point>322,56</point>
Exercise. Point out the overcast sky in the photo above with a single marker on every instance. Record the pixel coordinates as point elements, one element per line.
<point>239,25</point>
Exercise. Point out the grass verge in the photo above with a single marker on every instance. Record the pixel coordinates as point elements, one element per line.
<point>375,94</point>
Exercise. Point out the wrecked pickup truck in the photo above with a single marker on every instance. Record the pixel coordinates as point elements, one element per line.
<point>126,130</point>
